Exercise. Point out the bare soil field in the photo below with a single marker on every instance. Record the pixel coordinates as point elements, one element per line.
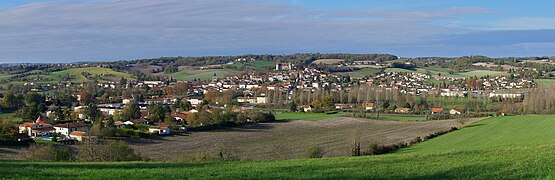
<point>328,61</point>
<point>491,65</point>
<point>146,68</point>
<point>11,152</point>
<point>289,140</point>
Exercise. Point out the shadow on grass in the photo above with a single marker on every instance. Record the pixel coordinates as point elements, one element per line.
<point>474,125</point>
<point>357,168</point>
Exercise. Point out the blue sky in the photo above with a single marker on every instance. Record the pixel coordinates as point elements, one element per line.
<point>104,30</point>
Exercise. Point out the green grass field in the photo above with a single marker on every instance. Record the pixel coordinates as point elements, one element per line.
<point>518,163</point>
<point>256,65</point>
<point>11,116</point>
<point>362,72</point>
<point>306,116</point>
<point>480,73</point>
<point>261,65</point>
<point>434,71</point>
<point>398,117</point>
<point>5,76</point>
<point>513,147</point>
<point>545,82</point>
<point>190,75</point>
<point>76,76</point>
<point>494,133</point>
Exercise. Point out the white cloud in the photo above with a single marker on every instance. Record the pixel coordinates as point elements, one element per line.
<point>526,23</point>
<point>125,29</point>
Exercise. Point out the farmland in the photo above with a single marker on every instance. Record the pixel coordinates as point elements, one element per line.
<point>261,65</point>
<point>445,72</point>
<point>518,163</point>
<point>494,133</point>
<point>146,68</point>
<point>190,75</point>
<point>305,116</point>
<point>254,65</point>
<point>515,163</point>
<point>545,82</point>
<point>327,61</point>
<point>5,76</point>
<point>289,139</point>
<point>362,72</point>
<point>517,147</point>
<point>397,117</point>
<point>77,75</point>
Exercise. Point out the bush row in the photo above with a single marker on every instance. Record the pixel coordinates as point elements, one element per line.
<point>110,151</point>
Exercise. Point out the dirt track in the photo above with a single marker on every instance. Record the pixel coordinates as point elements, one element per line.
<point>287,140</point>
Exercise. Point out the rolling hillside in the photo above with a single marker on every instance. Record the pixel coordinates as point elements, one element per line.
<point>76,74</point>
<point>494,133</point>
<point>80,75</point>
<point>190,75</point>
<point>517,147</point>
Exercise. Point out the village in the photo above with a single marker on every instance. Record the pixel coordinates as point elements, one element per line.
<point>282,87</point>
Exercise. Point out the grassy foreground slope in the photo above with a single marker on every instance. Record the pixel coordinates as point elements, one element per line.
<point>520,163</point>
<point>518,147</point>
<point>493,133</point>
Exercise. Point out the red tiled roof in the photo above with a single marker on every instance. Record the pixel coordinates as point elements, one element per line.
<point>39,120</point>
<point>161,127</point>
<point>180,115</point>
<point>27,124</point>
<point>44,129</point>
<point>437,110</point>
<point>71,125</point>
<point>144,113</point>
<point>77,133</point>
<point>138,121</point>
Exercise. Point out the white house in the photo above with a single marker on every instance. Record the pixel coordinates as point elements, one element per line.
<point>261,100</point>
<point>506,95</point>
<point>344,106</point>
<point>308,108</point>
<point>368,106</point>
<point>246,100</point>
<point>456,111</point>
<point>127,101</point>
<point>136,121</point>
<point>78,135</point>
<point>68,128</point>
<point>162,129</point>
<point>37,129</point>
<point>109,111</point>
<point>195,102</point>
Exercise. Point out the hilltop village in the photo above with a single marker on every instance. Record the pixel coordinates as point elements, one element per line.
<point>98,101</point>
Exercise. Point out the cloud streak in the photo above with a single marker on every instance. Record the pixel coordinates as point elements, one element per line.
<point>129,29</point>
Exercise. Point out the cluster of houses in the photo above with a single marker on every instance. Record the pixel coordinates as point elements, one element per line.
<point>369,106</point>
<point>79,131</point>
<point>41,129</point>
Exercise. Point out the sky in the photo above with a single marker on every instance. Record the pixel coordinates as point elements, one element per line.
<point>48,31</point>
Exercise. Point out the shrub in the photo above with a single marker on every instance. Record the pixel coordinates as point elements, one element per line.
<point>49,152</point>
<point>314,152</point>
<point>261,117</point>
<point>375,149</point>
<point>356,149</point>
<point>111,151</point>
<point>372,149</point>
